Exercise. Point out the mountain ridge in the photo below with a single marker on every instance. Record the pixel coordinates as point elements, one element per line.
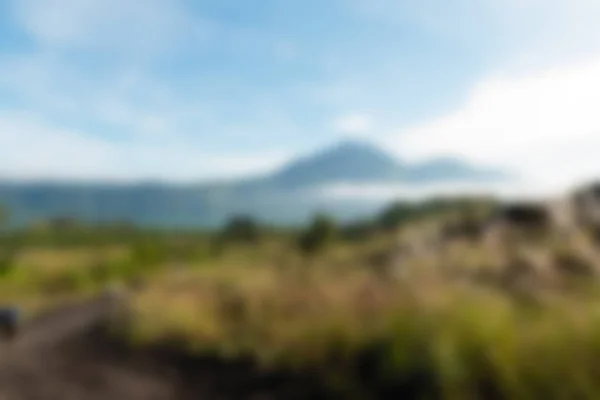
<point>358,161</point>
<point>283,196</point>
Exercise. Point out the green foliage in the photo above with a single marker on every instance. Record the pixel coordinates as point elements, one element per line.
<point>358,231</point>
<point>395,215</point>
<point>8,253</point>
<point>8,246</point>
<point>241,229</point>
<point>69,281</point>
<point>320,234</point>
<point>469,209</point>
<point>149,252</point>
<point>4,215</point>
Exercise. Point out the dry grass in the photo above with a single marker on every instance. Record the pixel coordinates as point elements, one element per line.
<point>55,259</point>
<point>517,321</point>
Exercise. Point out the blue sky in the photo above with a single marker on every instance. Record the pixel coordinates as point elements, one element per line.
<point>185,90</point>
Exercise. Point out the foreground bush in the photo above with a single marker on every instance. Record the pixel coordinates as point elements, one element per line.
<point>430,338</point>
<point>320,234</point>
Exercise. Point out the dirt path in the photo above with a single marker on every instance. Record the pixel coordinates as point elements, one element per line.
<point>53,358</point>
<point>55,326</point>
<point>65,355</point>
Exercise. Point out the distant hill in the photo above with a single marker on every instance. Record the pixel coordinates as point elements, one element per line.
<point>283,197</point>
<point>361,162</point>
<point>351,161</point>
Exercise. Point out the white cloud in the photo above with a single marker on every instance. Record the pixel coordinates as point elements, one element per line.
<point>32,148</point>
<point>544,125</point>
<point>28,149</point>
<point>386,193</point>
<point>521,33</point>
<point>134,26</point>
<point>126,126</point>
<point>128,101</point>
<point>354,124</point>
<point>455,18</point>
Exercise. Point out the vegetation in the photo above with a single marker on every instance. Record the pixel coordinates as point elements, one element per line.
<point>8,247</point>
<point>404,212</point>
<point>358,231</point>
<point>241,229</point>
<point>470,323</point>
<point>453,317</point>
<point>4,215</point>
<point>320,234</point>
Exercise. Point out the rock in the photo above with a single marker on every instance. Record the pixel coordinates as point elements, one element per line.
<point>9,321</point>
<point>570,263</point>
<point>527,216</point>
<point>586,202</point>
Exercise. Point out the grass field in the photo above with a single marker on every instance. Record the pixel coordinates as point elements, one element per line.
<point>534,338</point>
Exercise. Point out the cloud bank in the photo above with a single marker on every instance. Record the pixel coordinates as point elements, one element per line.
<point>544,125</point>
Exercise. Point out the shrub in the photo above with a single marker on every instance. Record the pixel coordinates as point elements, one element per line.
<point>149,252</point>
<point>9,249</point>
<point>395,215</point>
<point>321,232</point>
<point>358,231</point>
<point>4,215</point>
<point>241,229</point>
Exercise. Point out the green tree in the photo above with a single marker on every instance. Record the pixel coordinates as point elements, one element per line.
<point>4,216</point>
<point>396,214</point>
<point>241,228</point>
<point>358,231</point>
<point>8,246</point>
<point>320,234</point>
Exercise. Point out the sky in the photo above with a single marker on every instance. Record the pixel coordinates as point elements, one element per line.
<point>188,90</point>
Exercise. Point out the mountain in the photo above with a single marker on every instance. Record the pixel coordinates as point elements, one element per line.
<point>351,161</point>
<point>289,195</point>
<point>360,162</point>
